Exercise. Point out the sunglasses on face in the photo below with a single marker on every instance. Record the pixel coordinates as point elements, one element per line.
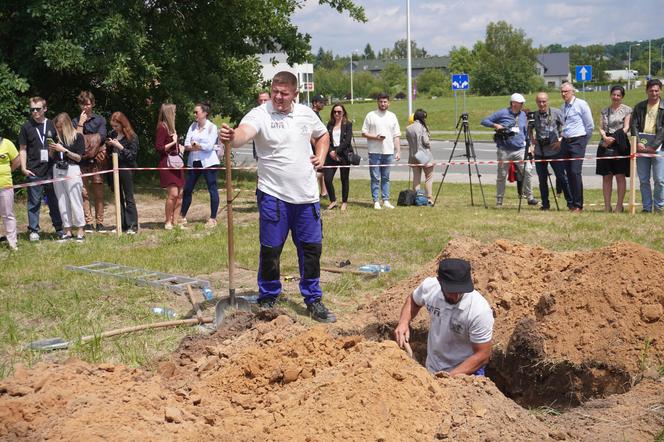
<point>36,109</point>
<point>338,112</point>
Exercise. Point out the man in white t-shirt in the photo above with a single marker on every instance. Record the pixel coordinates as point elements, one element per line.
<point>287,193</point>
<point>461,326</point>
<point>381,129</point>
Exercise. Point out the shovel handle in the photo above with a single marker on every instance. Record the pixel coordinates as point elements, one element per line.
<point>135,328</point>
<point>229,214</point>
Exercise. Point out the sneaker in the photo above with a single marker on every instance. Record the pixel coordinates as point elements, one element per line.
<point>533,202</point>
<point>183,221</point>
<point>320,313</point>
<point>267,302</point>
<point>34,236</point>
<point>80,239</point>
<point>387,205</point>
<point>64,238</point>
<point>100,228</point>
<point>377,205</point>
<point>211,223</point>
<point>131,231</point>
<point>168,226</point>
<point>544,208</point>
<point>13,248</point>
<point>89,228</point>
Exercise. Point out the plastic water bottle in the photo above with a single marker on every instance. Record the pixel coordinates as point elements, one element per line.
<point>375,268</point>
<point>164,311</point>
<point>207,293</point>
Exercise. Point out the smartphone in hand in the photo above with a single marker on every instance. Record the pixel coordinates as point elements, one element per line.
<point>49,140</point>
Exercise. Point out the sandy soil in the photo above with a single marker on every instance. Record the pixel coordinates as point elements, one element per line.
<point>571,333</point>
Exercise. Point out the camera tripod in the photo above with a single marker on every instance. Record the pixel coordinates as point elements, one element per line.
<point>469,154</point>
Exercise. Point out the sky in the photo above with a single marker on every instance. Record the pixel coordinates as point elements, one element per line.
<point>437,26</point>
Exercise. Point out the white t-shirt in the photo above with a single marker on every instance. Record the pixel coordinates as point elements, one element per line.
<point>454,327</point>
<point>283,149</point>
<point>381,123</point>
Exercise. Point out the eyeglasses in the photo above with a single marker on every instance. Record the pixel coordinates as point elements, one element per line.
<point>338,112</point>
<point>566,91</point>
<point>36,109</point>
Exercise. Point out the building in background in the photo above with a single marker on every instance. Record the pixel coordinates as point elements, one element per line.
<point>276,62</point>
<point>553,68</point>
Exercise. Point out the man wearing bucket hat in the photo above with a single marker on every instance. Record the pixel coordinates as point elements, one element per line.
<point>461,326</point>
<point>511,126</point>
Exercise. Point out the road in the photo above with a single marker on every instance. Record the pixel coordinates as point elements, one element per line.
<point>485,151</point>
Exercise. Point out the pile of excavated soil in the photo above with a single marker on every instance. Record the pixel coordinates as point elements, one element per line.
<point>565,332</point>
<point>580,324</point>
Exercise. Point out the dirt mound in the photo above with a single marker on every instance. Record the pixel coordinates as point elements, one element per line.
<point>273,381</point>
<point>565,332</point>
<point>579,324</point>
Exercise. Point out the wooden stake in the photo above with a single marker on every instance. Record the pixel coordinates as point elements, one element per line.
<point>116,189</point>
<point>632,177</point>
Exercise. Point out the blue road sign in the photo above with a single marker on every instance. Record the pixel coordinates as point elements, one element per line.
<point>460,82</point>
<point>584,73</point>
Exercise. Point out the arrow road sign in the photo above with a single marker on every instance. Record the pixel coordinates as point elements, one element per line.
<point>460,82</point>
<point>584,73</point>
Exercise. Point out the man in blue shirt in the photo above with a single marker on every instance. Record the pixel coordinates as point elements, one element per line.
<point>511,127</point>
<point>577,129</point>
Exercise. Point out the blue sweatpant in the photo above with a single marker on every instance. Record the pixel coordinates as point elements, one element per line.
<point>277,218</point>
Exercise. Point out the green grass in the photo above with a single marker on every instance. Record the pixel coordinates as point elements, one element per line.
<point>441,115</point>
<point>39,298</point>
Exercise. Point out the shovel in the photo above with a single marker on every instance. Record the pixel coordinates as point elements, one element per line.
<point>232,302</point>
<point>59,343</point>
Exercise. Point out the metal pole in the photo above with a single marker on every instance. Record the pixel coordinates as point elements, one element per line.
<point>351,78</point>
<point>629,67</point>
<point>410,74</point>
<point>632,177</point>
<point>116,190</point>
<point>649,62</point>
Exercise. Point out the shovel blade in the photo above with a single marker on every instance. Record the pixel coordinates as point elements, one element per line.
<point>49,344</point>
<point>225,304</point>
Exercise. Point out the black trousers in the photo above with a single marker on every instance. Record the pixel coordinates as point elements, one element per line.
<point>128,211</point>
<point>328,176</point>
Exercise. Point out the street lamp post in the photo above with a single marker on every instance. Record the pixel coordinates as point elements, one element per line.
<point>351,78</point>
<point>409,85</point>
<point>629,65</point>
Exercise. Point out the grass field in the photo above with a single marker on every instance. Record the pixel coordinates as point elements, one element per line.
<point>39,298</point>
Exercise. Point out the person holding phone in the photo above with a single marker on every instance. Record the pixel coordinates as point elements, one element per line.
<point>200,142</point>
<point>171,175</point>
<point>66,153</point>
<point>94,159</point>
<point>124,141</point>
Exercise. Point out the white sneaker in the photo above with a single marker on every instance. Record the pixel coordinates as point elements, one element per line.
<point>387,205</point>
<point>377,205</point>
<point>34,236</point>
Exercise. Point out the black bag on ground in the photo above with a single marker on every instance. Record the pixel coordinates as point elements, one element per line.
<point>406,198</point>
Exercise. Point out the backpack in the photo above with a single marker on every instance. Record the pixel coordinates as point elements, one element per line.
<point>421,198</point>
<point>406,198</point>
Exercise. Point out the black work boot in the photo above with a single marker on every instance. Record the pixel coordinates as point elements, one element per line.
<point>320,313</point>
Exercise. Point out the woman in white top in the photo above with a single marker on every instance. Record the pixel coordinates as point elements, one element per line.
<point>200,143</point>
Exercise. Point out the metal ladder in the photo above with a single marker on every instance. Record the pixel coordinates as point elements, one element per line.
<point>176,283</point>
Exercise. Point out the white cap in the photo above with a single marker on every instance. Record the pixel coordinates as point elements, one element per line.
<point>518,98</point>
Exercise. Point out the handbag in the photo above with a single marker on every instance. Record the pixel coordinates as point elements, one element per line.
<point>353,158</point>
<point>423,156</point>
<point>175,161</point>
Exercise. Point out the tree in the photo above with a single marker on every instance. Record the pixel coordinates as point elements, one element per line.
<point>508,62</point>
<point>428,79</point>
<point>135,54</point>
<point>464,60</point>
<point>394,78</point>
<point>11,107</point>
<point>401,49</point>
<point>324,59</point>
<point>369,53</point>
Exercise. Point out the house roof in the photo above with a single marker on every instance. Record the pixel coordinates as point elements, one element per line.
<point>417,63</point>
<point>555,63</point>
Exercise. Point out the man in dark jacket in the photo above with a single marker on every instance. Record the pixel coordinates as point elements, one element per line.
<point>648,125</point>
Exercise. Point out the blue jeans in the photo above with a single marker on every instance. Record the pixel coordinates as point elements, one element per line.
<point>210,177</point>
<point>276,219</point>
<point>35,195</point>
<point>644,166</point>
<point>380,175</point>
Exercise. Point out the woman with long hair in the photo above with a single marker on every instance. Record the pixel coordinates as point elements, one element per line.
<point>419,144</point>
<point>341,135</point>
<point>171,176</point>
<point>200,143</point>
<point>66,153</point>
<point>124,142</point>
<point>613,128</point>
